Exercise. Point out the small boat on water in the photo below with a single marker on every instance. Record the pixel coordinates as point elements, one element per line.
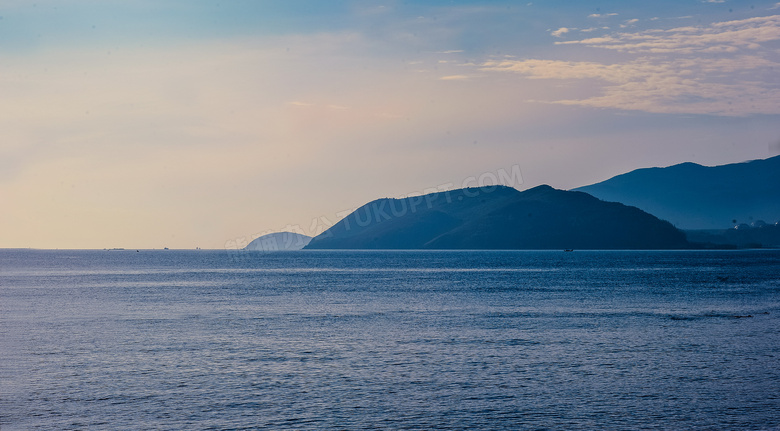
<point>568,250</point>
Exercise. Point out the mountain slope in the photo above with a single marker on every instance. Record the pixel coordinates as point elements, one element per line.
<point>499,218</point>
<point>692,196</point>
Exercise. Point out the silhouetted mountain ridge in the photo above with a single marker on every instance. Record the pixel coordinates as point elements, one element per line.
<point>693,196</point>
<point>499,217</point>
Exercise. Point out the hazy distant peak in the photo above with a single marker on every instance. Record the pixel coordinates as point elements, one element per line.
<point>279,241</point>
<point>693,196</point>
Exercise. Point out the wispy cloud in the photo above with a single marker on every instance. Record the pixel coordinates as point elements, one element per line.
<point>560,32</point>
<point>730,36</point>
<point>454,77</point>
<point>629,22</point>
<point>600,15</point>
<point>726,68</point>
<point>661,87</point>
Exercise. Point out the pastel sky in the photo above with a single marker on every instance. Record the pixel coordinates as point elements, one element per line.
<point>151,124</point>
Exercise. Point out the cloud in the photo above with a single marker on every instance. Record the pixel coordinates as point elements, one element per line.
<point>560,32</point>
<point>661,87</point>
<point>725,69</point>
<point>730,36</point>
<point>629,22</point>
<point>454,78</point>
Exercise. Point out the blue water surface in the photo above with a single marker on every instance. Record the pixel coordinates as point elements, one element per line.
<point>170,340</point>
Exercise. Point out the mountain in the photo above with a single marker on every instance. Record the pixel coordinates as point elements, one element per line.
<point>692,196</point>
<point>279,241</point>
<point>499,217</point>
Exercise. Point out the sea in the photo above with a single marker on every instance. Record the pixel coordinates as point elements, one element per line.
<point>396,340</point>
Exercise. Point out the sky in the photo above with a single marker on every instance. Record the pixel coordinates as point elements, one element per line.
<point>183,124</point>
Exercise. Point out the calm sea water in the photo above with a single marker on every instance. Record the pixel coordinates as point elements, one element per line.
<point>169,340</point>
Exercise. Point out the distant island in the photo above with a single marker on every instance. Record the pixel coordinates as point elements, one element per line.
<point>279,241</point>
<point>500,217</point>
